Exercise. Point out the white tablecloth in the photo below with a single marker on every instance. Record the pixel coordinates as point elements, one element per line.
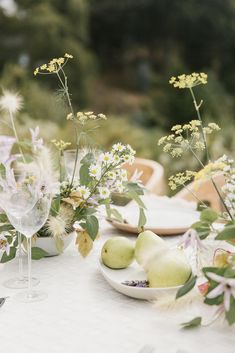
<point>83,314</point>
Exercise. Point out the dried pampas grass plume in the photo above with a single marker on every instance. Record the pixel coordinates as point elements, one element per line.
<point>167,301</point>
<point>11,102</point>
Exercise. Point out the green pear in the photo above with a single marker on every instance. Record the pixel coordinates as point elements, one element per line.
<point>118,252</point>
<point>169,270</point>
<point>148,244</point>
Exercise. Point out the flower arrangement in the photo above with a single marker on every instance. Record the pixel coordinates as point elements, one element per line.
<point>215,281</point>
<point>77,198</point>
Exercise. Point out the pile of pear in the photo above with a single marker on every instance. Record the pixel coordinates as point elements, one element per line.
<point>164,266</point>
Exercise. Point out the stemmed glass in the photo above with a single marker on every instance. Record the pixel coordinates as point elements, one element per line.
<point>26,200</point>
<point>28,225</point>
<point>17,201</point>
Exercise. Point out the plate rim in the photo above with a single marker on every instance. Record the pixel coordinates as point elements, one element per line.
<point>130,228</point>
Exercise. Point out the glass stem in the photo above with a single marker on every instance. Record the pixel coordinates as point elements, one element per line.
<point>29,268</point>
<point>21,275</point>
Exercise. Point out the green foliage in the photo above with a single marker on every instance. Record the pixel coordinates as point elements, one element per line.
<point>228,233</point>
<point>92,226</point>
<point>203,227</point>
<point>5,258</point>
<point>188,286</point>
<point>55,206</point>
<point>38,253</point>
<point>124,75</point>
<point>192,323</point>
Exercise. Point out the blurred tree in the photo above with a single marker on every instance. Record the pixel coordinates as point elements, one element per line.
<point>43,29</point>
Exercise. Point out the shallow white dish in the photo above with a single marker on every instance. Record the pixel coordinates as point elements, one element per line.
<point>163,221</point>
<point>133,272</point>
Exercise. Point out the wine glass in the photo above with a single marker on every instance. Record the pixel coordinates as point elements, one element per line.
<point>16,198</point>
<point>28,225</point>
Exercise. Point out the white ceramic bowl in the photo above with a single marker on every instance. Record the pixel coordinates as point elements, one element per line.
<point>134,272</point>
<point>48,244</point>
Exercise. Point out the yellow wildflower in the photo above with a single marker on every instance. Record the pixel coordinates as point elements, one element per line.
<point>189,81</point>
<point>210,169</point>
<point>36,71</point>
<point>51,68</point>
<point>60,61</point>
<point>102,116</point>
<point>69,116</point>
<point>68,56</point>
<point>60,144</point>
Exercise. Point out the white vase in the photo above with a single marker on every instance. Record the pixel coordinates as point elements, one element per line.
<point>48,244</point>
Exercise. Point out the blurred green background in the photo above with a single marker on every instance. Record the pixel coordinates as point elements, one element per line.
<point>124,54</point>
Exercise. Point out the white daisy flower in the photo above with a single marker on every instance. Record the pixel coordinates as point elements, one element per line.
<point>128,158</point>
<point>132,151</point>
<point>118,147</point>
<point>84,191</point>
<point>95,171</point>
<point>116,159</point>
<point>111,175</point>
<point>106,158</point>
<point>104,192</point>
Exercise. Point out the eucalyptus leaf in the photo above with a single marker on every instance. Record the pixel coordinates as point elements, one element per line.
<point>55,206</point>
<point>108,211</point>
<point>92,226</point>
<point>202,228</point>
<point>88,159</point>
<point>208,215</point>
<point>3,218</point>
<point>189,285</point>
<point>6,228</point>
<point>135,187</point>
<point>2,170</point>
<point>117,215</point>
<point>230,315</point>
<point>38,253</point>
<point>6,258</point>
<point>192,323</point>
<point>228,233</point>
<point>134,196</point>
<point>85,178</point>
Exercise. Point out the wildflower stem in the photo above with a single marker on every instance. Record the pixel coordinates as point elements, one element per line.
<point>66,90</point>
<point>16,135</point>
<point>197,108</point>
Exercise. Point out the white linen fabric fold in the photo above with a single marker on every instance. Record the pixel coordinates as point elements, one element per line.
<point>83,314</point>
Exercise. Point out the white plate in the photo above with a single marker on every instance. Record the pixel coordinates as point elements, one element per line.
<point>133,272</point>
<point>163,221</point>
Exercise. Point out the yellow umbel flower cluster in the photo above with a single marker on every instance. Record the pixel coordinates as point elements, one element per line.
<point>209,170</point>
<point>60,144</point>
<point>189,81</point>
<point>83,117</point>
<point>180,179</point>
<point>54,65</point>
<point>186,137</point>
